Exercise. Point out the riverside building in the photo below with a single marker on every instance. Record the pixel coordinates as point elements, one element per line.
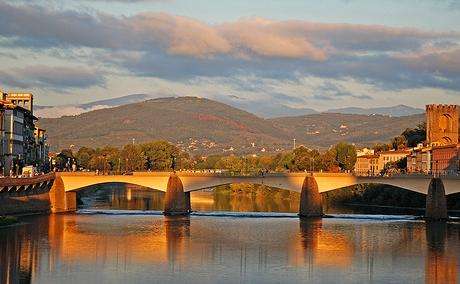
<point>23,144</point>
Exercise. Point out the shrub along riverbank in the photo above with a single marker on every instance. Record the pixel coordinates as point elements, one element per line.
<point>8,220</point>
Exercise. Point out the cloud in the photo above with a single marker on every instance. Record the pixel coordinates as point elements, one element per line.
<point>261,37</point>
<point>180,48</point>
<point>180,35</point>
<point>52,77</point>
<point>444,62</point>
<point>333,92</point>
<point>67,110</point>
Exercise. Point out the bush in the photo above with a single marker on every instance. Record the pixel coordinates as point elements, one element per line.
<point>7,220</point>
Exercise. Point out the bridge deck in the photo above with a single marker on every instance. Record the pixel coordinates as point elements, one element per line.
<point>291,181</point>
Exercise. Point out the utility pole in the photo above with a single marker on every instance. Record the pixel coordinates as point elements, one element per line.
<point>294,144</point>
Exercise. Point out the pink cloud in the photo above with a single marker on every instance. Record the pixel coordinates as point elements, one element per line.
<point>433,60</point>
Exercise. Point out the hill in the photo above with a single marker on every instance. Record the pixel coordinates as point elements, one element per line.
<point>188,121</point>
<point>399,110</point>
<point>325,129</point>
<point>202,125</point>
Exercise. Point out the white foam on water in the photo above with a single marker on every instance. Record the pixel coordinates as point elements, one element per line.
<point>118,212</point>
<point>245,214</point>
<point>365,217</point>
<point>229,214</point>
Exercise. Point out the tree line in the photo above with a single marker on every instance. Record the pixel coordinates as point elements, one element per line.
<point>161,155</point>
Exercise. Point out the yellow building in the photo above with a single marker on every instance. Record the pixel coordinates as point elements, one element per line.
<point>391,156</point>
<point>367,165</point>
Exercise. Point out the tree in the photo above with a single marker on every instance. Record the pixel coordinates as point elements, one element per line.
<point>381,147</point>
<point>112,157</point>
<point>266,163</point>
<point>306,159</point>
<point>159,154</point>
<point>285,161</point>
<point>84,156</point>
<point>132,158</point>
<point>328,160</point>
<point>416,135</point>
<point>399,142</point>
<point>64,159</point>
<point>99,162</point>
<point>345,155</point>
<point>231,163</point>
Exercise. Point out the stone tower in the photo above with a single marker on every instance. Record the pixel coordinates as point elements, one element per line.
<point>442,124</point>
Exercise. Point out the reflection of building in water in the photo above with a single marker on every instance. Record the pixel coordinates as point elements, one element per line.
<point>19,252</point>
<point>440,264</point>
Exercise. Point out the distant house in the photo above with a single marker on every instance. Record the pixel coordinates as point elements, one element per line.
<point>367,165</point>
<point>446,160</point>
<point>419,161</point>
<point>391,156</point>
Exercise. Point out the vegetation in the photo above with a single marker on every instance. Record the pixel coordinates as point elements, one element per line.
<point>159,156</point>
<point>8,220</point>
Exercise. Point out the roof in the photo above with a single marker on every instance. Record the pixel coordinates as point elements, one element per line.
<point>446,146</point>
<point>368,156</point>
<point>395,152</point>
<point>10,105</point>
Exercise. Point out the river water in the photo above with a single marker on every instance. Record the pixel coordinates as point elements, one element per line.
<point>121,237</point>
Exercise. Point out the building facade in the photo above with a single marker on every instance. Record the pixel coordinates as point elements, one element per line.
<point>419,161</point>
<point>22,143</point>
<point>367,165</point>
<point>392,156</point>
<point>446,160</point>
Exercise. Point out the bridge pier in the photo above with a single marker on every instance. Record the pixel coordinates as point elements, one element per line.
<point>60,200</point>
<point>177,202</point>
<point>310,200</point>
<point>436,207</point>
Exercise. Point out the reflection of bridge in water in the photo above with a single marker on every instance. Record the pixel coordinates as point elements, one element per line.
<point>178,186</point>
<point>56,245</point>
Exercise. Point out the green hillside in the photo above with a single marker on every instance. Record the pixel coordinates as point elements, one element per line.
<point>202,125</point>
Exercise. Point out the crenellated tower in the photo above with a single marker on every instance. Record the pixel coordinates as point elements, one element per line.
<point>442,124</point>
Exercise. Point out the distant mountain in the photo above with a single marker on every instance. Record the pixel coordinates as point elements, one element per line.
<point>273,110</point>
<point>63,110</point>
<point>201,125</point>
<point>261,109</point>
<point>396,111</point>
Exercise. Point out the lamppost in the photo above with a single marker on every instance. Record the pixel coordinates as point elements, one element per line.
<point>173,163</point>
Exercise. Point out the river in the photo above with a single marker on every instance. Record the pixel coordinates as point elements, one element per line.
<point>119,236</point>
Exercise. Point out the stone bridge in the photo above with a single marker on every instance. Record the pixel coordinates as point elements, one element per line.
<point>177,186</point>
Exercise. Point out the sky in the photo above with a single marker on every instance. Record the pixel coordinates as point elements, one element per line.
<point>258,55</point>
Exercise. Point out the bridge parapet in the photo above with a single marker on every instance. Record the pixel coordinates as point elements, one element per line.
<point>26,186</point>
